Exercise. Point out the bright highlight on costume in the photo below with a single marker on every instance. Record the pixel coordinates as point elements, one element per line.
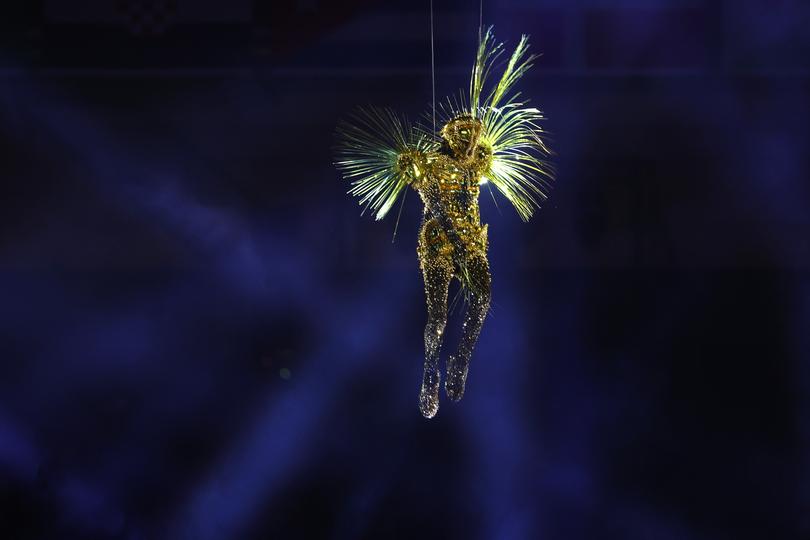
<point>485,137</point>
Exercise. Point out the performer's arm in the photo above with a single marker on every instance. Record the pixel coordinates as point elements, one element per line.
<point>437,210</point>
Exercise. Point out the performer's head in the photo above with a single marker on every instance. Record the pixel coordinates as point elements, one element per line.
<point>462,135</point>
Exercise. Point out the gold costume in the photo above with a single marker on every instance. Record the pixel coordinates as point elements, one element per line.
<point>496,140</point>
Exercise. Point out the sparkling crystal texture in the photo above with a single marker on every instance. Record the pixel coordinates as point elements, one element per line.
<point>491,135</point>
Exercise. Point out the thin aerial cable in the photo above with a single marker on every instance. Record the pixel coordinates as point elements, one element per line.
<point>433,96</point>
<point>480,20</point>
<point>433,69</point>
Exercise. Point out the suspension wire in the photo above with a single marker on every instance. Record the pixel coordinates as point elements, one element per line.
<point>433,92</point>
<point>433,89</point>
<point>480,37</point>
<point>433,69</point>
<point>480,20</point>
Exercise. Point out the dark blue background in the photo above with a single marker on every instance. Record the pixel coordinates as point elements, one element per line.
<point>200,338</point>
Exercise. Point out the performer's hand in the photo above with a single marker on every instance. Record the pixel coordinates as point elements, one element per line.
<point>459,254</point>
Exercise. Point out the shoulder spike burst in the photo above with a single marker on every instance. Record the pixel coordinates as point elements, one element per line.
<point>370,143</point>
<point>519,170</point>
<point>488,53</point>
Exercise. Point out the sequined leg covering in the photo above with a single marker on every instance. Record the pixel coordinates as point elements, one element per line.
<point>437,272</point>
<point>458,365</point>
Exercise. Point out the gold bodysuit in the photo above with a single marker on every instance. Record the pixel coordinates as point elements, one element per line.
<point>452,243</point>
<point>492,135</point>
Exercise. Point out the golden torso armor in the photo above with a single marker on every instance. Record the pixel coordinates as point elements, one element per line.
<point>449,190</point>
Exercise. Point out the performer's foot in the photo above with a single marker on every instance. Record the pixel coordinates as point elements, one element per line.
<point>429,394</point>
<point>456,378</point>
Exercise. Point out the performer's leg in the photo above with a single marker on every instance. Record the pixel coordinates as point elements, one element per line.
<point>437,273</point>
<point>458,365</point>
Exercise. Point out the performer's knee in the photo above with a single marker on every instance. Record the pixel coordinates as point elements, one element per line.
<point>435,328</point>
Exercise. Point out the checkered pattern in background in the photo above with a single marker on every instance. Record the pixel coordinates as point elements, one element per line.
<point>148,17</point>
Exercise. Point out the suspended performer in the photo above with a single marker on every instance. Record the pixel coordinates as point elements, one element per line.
<point>489,137</point>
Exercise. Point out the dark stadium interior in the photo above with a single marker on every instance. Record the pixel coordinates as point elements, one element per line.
<point>200,337</point>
